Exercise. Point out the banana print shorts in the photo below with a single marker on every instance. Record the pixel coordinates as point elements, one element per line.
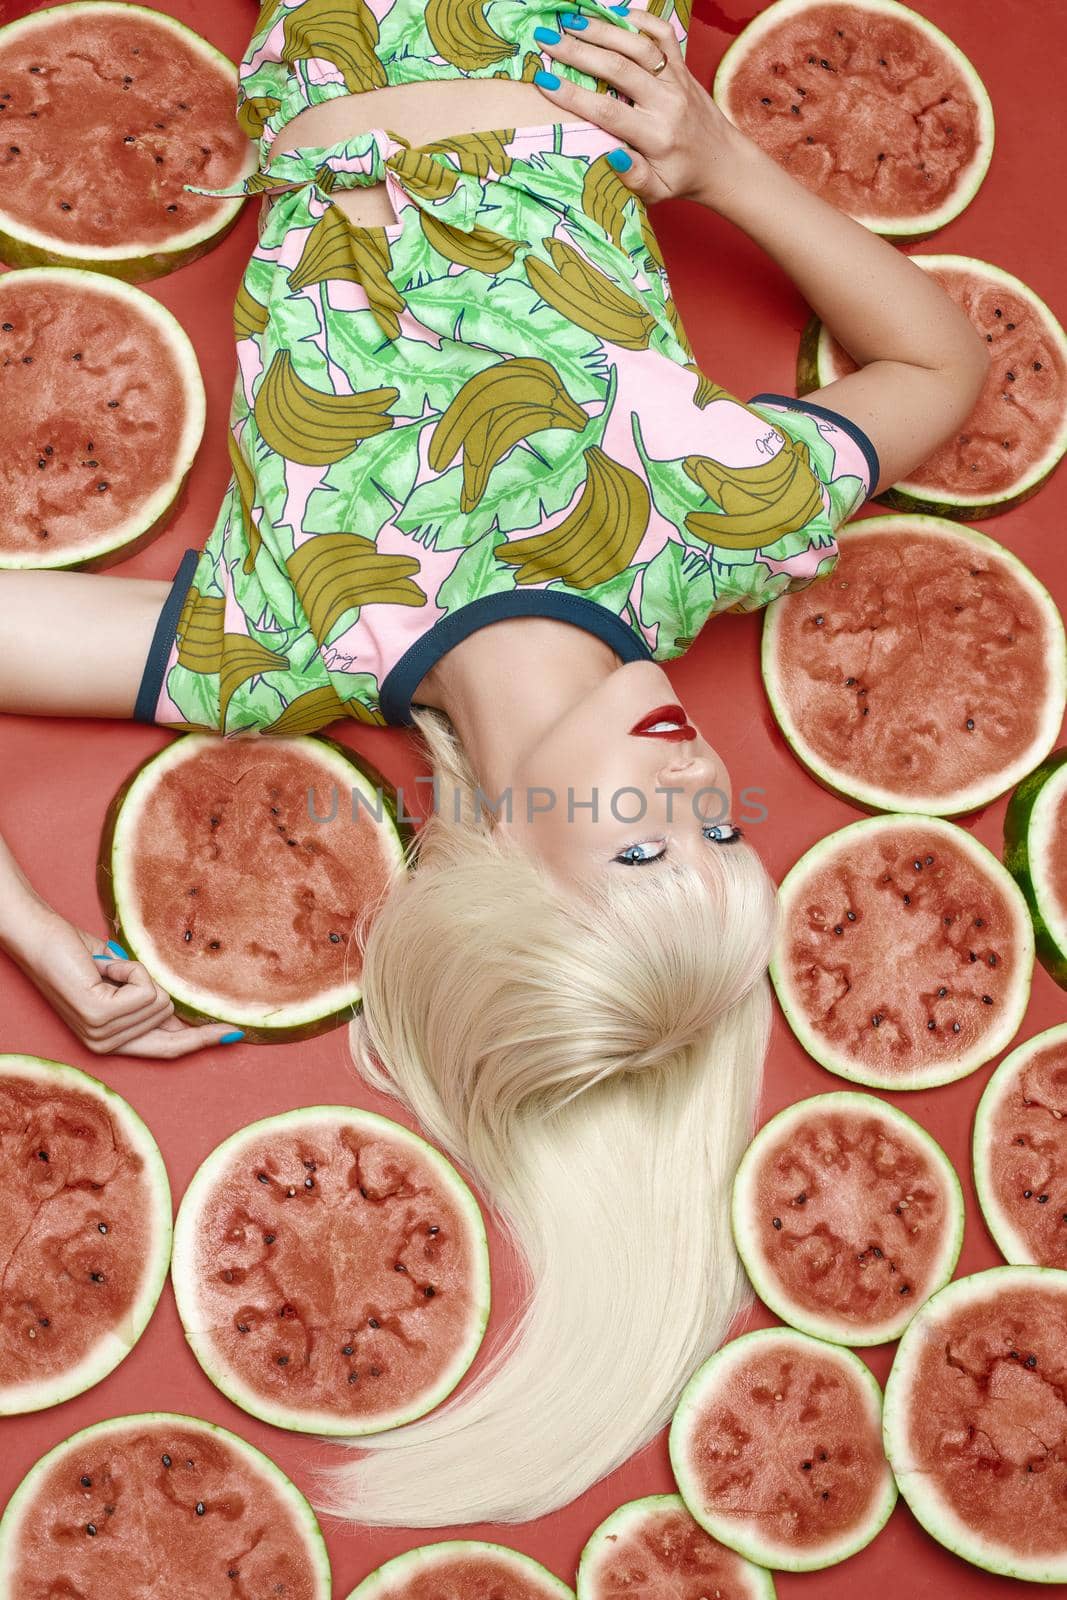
<point>487,408</point>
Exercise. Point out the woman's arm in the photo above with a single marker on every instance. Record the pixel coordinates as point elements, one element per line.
<point>923,364</point>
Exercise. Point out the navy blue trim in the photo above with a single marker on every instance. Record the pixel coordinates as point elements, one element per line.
<point>404,678</point>
<point>163,638</point>
<point>838,420</point>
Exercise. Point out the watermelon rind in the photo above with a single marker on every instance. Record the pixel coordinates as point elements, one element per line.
<point>15,1400</point>
<point>929,1507</point>
<point>747,1225</point>
<point>876,796</point>
<point>1011,1013</point>
<point>1012,1245</point>
<point>902,229</point>
<point>267,1025</point>
<point>629,1517</point>
<point>747,1539</point>
<point>185,1281</point>
<point>815,369</point>
<point>24,246</point>
<point>13,1527</point>
<point>1029,846</point>
<point>420,1564</point>
<point>140,528</point>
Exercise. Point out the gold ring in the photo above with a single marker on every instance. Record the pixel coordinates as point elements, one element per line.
<point>655,71</point>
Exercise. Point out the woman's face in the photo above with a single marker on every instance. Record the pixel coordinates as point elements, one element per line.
<point>621,783</point>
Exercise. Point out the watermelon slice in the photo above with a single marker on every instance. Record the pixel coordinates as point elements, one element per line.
<point>847,1216</point>
<point>103,414</point>
<point>331,1271</point>
<point>777,1451</point>
<point>1035,853</point>
<point>100,140</point>
<point>866,103</point>
<point>1020,1152</point>
<point>462,1569</point>
<point>847,668</point>
<point>1017,433</point>
<point>652,1549</point>
<point>214,872</point>
<point>976,1423</point>
<point>905,953</point>
<point>85,1231</point>
<point>159,1504</point>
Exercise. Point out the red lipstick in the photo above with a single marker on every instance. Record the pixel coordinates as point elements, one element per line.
<point>676,725</point>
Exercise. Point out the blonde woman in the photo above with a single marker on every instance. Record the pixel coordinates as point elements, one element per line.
<point>542,498</point>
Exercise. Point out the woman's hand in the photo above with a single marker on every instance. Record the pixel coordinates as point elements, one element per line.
<point>679,144</point>
<point>112,1005</point>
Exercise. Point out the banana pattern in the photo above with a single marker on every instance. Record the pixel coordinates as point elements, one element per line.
<point>462,36</point>
<point>303,424</point>
<point>759,504</point>
<point>587,296</point>
<point>594,542</point>
<point>492,412</point>
<point>521,411</point>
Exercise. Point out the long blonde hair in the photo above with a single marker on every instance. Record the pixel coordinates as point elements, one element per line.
<point>594,1063</point>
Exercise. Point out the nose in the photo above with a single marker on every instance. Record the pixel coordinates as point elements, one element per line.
<point>689,772</point>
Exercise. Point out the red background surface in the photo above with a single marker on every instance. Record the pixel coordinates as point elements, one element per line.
<point>744,318</point>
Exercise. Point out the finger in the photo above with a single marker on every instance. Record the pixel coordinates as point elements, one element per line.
<point>661,32</point>
<point>132,989</point>
<point>625,60</point>
<point>105,1036</point>
<point>177,1038</point>
<point>636,173</point>
<point>600,109</point>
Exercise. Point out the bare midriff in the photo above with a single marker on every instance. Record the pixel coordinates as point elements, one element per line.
<point>418,112</point>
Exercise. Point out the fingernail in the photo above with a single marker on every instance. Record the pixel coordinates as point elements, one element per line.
<point>112,944</point>
<point>620,11</point>
<point>546,35</point>
<point>102,958</point>
<point>571,19</point>
<point>232,1038</point>
<point>619,160</point>
<point>546,80</point>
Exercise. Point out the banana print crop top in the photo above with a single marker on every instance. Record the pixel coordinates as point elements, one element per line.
<point>306,53</point>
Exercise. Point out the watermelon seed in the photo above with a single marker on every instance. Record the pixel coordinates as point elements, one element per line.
<point>372,1322</point>
<point>213,944</point>
<point>765,100</point>
<point>1027,1194</point>
<point>310,1165</point>
<point>433,1228</point>
<point>819,620</point>
<point>102,486</point>
<point>165,1460</point>
<point>262,1177</point>
<point>353,1377</point>
<point>200,1508</point>
<point>290,1192</point>
<point>1037,366</point>
<point>129,139</point>
<point>998,313</point>
<point>881,155</point>
<point>806,1465</point>
<point>1011,376</point>
<point>127,79</point>
<point>918,866</point>
<point>795,110</point>
<point>826,1494</point>
<point>430,1291</point>
<point>776,1222</point>
<point>1031,1361</point>
<point>159,161</point>
<point>905,1288</point>
<point>987,999</point>
<point>932,1026</point>
<point>851,915</point>
<point>101,1227</point>
<point>283,1361</point>
<point>972,955</point>
<point>1020,1141</point>
<point>90,1528</point>
<point>97,1277</point>
<point>269,1238</point>
<point>839,929</point>
<point>849,682</point>
<point>45,1322</point>
<point>335,938</point>
<point>989,338</point>
<point>41,463</point>
<point>800,1199</point>
<point>172,208</point>
<point>158,124</point>
<point>1042,1199</point>
<point>346,1349</point>
<point>823,1456</point>
<point>112,404</point>
<point>970,724</point>
<point>877,1252</point>
<point>877,1019</point>
<point>907,899</point>
<point>15,151</point>
<point>979,922</point>
<point>809,139</point>
<point>87,1482</point>
<point>955,1027</point>
<point>942,992</point>
<point>8,326</point>
<point>188,1463</point>
<point>242,1327</point>
<point>399,1267</point>
<point>1010,324</point>
<point>1013,1355</point>
<point>232,1573</point>
<point>309,1183</point>
<point>187,935</point>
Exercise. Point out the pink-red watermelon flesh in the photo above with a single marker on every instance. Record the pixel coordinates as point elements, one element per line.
<point>83,1222</point>
<point>1020,1152</point>
<point>461,1570</point>
<point>109,110</point>
<point>161,1504</point>
<point>216,875</point>
<point>653,1550</point>
<point>926,673</point>
<point>328,1273</point>
<point>776,1448</point>
<point>906,953</point>
<point>1017,432</point>
<point>103,411</point>
<point>977,1419</point>
<point>867,104</point>
<point>847,1217</point>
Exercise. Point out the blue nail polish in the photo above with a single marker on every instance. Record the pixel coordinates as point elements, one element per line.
<point>620,11</point>
<point>546,35</point>
<point>571,19</point>
<point>102,958</point>
<point>232,1038</point>
<point>546,80</point>
<point>619,160</point>
<point>113,944</point>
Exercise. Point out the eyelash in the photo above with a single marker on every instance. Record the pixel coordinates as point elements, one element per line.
<point>710,832</point>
